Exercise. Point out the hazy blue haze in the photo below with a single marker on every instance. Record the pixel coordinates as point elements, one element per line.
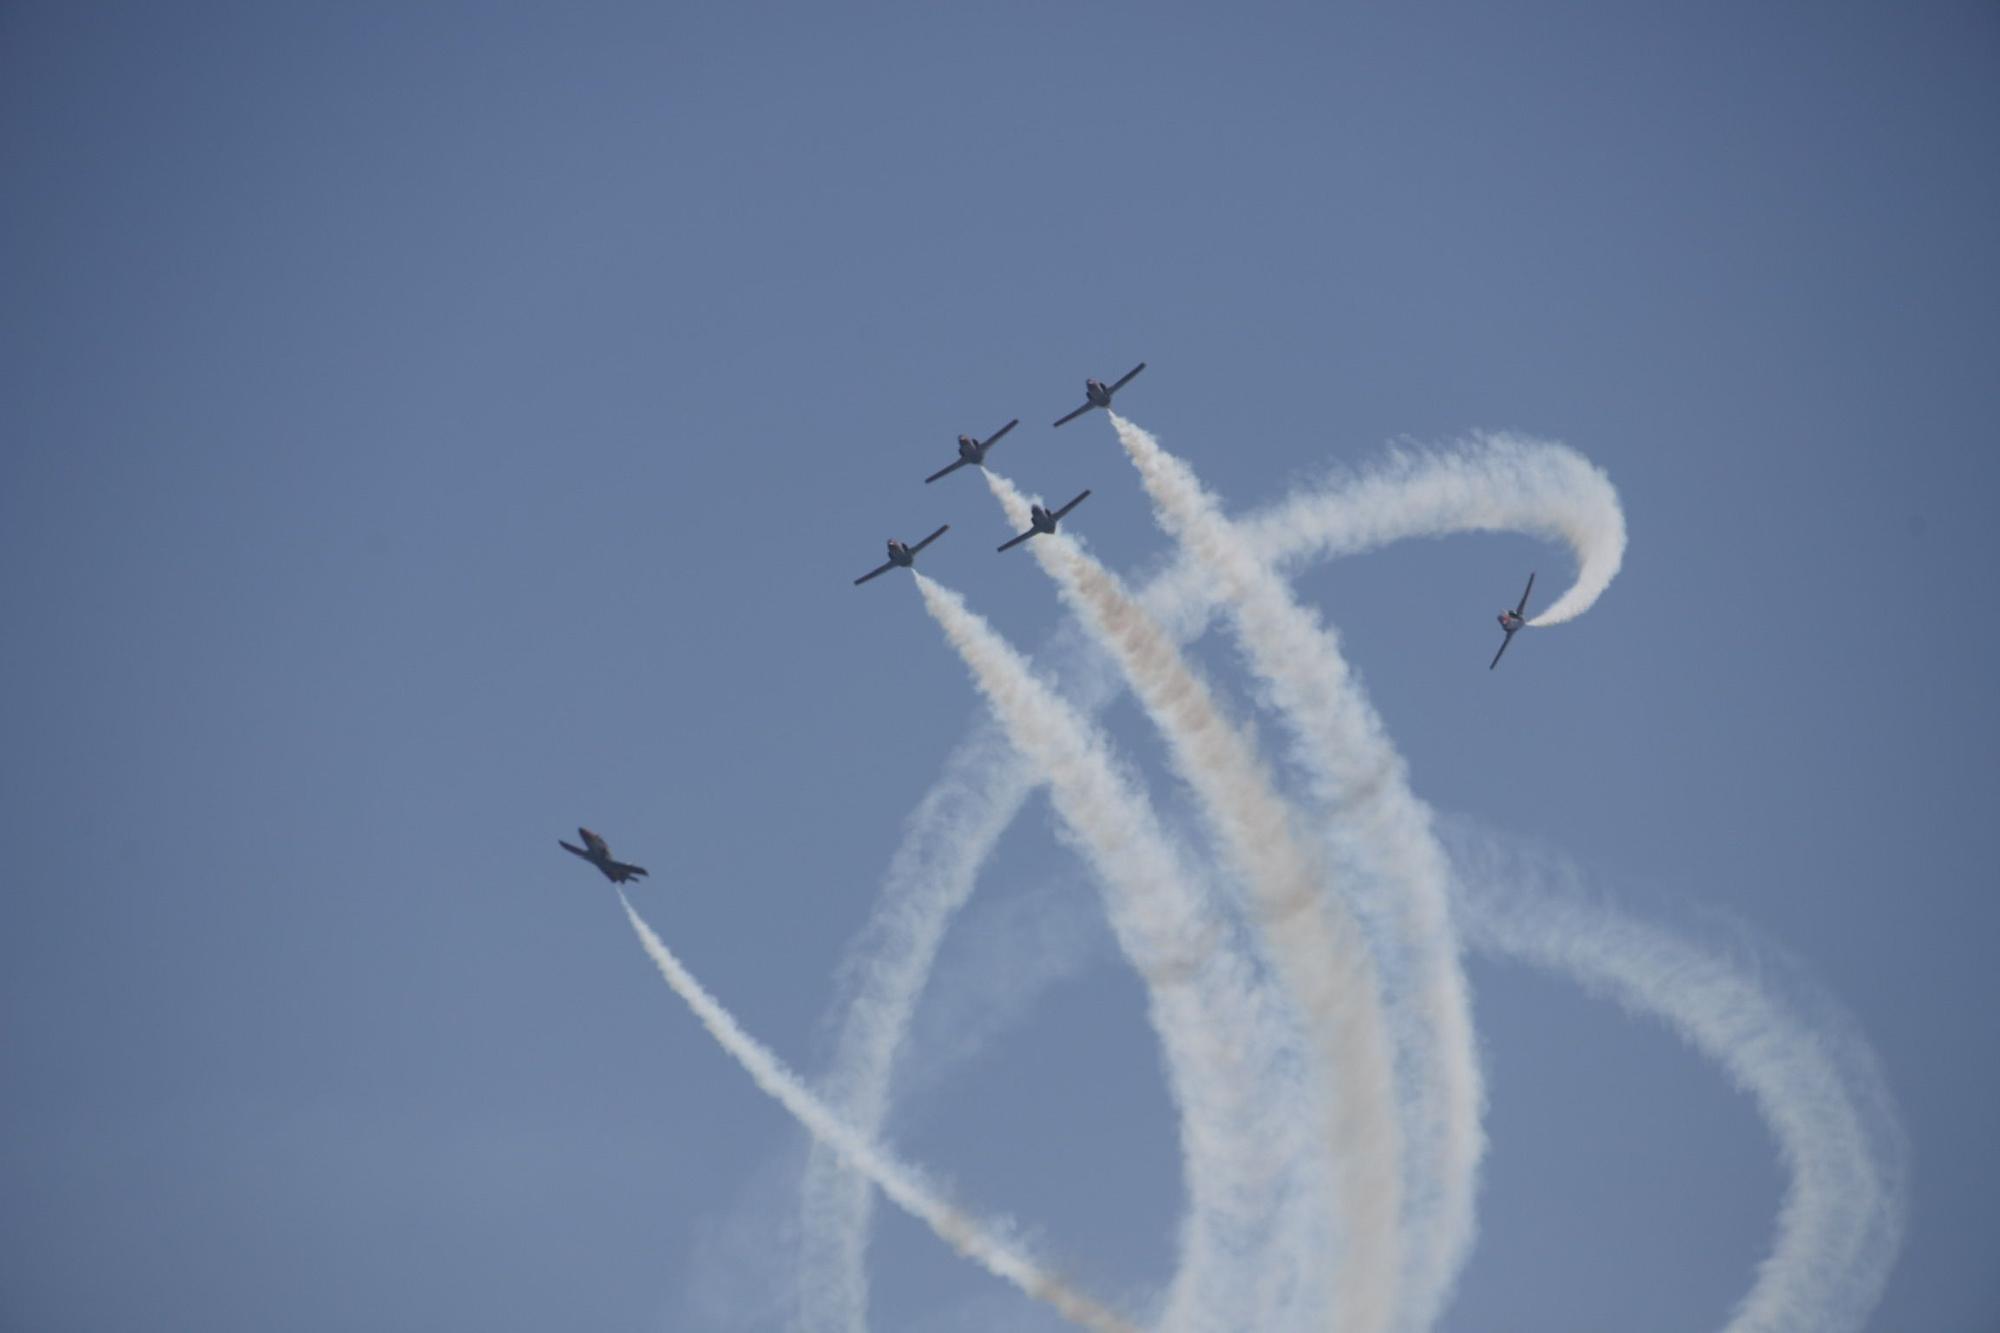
<point>425,429</point>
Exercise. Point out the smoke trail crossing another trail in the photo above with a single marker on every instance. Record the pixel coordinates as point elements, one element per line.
<point>1317,950</point>
<point>1384,832</point>
<point>1208,1007</point>
<point>982,1244</point>
<point>930,878</point>
<point>1816,1084</point>
<point>1485,483</point>
<point>1838,1233</point>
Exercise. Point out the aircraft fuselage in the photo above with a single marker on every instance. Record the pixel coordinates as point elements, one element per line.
<point>1041,520</point>
<point>969,450</point>
<point>1098,395</point>
<point>899,554</point>
<point>1510,622</point>
<point>595,851</point>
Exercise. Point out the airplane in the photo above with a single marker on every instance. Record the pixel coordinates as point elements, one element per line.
<point>1041,520</point>
<point>972,451</point>
<point>1512,622</point>
<point>595,851</point>
<point>1099,395</point>
<point>900,554</point>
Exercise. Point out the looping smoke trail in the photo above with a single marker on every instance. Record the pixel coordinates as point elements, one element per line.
<point>901,1183</point>
<point>1489,483</point>
<point>1817,1084</point>
<point>1211,1015</point>
<point>951,834</point>
<point>1316,948</point>
<point>1395,867</point>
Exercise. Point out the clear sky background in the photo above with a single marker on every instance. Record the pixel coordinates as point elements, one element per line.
<point>426,428</point>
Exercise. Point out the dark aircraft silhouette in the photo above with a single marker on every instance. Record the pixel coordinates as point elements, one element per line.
<point>1099,395</point>
<point>971,451</point>
<point>1041,520</point>
<point>1512,622</point>
<point>900,554</point>
<point>595,851</point>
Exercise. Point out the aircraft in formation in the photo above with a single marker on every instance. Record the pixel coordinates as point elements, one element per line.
<point>1512,621</point>
<point>971,452</point>
<point>902,555</point>
<point>1098,394</point>
<point>598,853</point>
<point>1041,520</point>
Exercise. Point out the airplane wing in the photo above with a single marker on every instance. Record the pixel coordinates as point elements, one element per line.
<point>956,464</point>
<point>1503,648</point>
<point>1058,515</point>
<point>1010,545</point>
<point>928,540</point>
<point>573,851</point>
<point>621,871</point>
<point>879,569</point>
<point>995,438</point>
<point>1130,375</point>
<point>1523,607</point>
<point>1074,415</point>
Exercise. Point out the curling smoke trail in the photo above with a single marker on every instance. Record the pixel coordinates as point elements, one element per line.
<point>901,1183</point>
<point>1490,483</point>
<point>1360,783</point>
<point>1816,1084</point>
<point>1318,951</point>
<point>1206,1005</point>
<point>1487,483</point>
<point>952,832</point>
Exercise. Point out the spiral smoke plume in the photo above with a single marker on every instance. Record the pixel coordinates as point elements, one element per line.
<point>1389,1187</point>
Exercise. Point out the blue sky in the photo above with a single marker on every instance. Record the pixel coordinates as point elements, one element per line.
<point>422,432</point>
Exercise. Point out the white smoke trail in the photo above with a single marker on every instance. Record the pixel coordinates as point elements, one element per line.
<point>1488,483</point>
<point>1384,834</point>
<point>983,1244</point>
<point>1816,1083</point>
<point>951,834</point>
<point>1320,956</point>
<point>1211,1015</point>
